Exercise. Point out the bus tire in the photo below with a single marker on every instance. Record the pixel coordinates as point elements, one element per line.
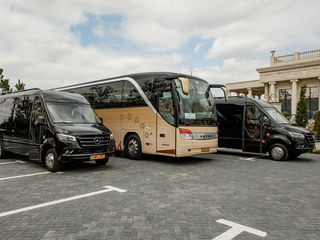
<point>51,161</point>
<point>2,151</point>
<point>101,162</point>
<point>133,147</point>
<point>278,152</point>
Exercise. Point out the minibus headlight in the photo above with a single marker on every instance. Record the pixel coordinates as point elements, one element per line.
<point>66,138</point>
<point>296,135</point>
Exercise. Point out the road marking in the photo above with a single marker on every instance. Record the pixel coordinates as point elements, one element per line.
<point>108,189</point>
<point>236,229</point>
<point>22,176</point>
<point>18,161</point>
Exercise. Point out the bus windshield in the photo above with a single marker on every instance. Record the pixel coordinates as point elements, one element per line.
<point>198,107</point>
<point>72,113</point>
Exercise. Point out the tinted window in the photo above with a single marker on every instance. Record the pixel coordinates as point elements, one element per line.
<point>6,113</point>
<point>114,94</point>
<point>22,112</point>
<point>131,96</point>
<point>147,86</point>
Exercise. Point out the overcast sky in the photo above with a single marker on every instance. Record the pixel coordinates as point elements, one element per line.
<point>49,44</point>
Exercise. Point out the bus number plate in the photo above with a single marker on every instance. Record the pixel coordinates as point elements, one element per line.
<point>97,157</point>
<point>205,149</point>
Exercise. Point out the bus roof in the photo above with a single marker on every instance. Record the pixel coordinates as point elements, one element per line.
<point>166,75</point>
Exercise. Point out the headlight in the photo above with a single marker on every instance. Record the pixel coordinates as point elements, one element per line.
<point>66,138</point>
<point>185,134</point>
<point>296,135</point>
<point>111,136</point>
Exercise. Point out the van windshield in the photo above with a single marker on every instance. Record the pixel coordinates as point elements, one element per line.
<point>276,116</point>
<point>72,113</point>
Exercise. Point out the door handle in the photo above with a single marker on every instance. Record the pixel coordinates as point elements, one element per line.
<point>162,135</point>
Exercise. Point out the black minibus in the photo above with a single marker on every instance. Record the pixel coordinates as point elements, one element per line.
<point>256,126</point>
<point>52,127</point>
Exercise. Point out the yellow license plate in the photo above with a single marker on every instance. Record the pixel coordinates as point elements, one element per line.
<point>94,157</point>
<point>205,149</point>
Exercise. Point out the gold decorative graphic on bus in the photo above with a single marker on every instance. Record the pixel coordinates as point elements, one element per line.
<point>129,116</point>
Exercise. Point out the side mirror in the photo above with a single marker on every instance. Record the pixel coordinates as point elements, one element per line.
<point>101,119</point>
<point>267,122</point>
<point>185,85</point>
<point>222,87</point>
<point>40,121</point>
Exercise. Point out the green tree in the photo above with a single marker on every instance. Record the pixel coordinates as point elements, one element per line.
<point>316,127</point>
<point>20,86</point>
<point>302,109</point>
<point>4,83</point>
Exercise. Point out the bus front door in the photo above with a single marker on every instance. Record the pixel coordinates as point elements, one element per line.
<point>252,133</point>
<point>166,135</point>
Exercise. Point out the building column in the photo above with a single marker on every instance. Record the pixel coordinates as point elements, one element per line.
<point>266,92</point>
<point>272,95</point>
<point>294,96</point>
<point>250,93</point>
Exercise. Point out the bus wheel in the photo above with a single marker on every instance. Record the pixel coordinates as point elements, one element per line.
<point>102,161</point>
<point>278,152</point>
<point>2,152</point>
<point>51,161</point>
<point>133,147</point>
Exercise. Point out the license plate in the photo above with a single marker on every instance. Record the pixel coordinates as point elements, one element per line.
<point>205,149</point>
<point>94,157</point>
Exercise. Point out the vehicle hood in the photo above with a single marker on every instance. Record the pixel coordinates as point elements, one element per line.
<point>81,129</point>
<point>295,129</point>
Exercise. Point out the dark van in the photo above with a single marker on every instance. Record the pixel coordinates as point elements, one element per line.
<point>255,126</point>
<point>52,127</point>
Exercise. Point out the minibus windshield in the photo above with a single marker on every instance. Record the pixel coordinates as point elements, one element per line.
<point>276,116</point>
<point>72,113</point>
<point>196,108</point>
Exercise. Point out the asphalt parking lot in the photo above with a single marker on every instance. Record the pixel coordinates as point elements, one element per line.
<point>228,195</point>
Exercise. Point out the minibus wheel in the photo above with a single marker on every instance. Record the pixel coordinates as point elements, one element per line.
<point>133,147</point>
<point>278,152</point>
<point>51,161</point>
<point>102,161</point>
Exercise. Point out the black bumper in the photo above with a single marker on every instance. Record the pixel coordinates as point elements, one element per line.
<point>83,156</point>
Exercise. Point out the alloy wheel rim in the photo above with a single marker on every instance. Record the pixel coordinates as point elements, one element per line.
<point>277,153</point>
<point>133,147</point>
<point>50,160</point>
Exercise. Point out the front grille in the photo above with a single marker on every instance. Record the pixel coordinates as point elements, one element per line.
<point>94,141</point>
<point>310,139</point>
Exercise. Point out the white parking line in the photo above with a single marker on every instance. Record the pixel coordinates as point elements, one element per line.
<point>18,161</point>
<point>108,189</point>
<point>22,176</point>
<point>236,229</point>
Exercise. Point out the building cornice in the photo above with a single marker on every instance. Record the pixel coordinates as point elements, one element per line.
<point>289,67</point>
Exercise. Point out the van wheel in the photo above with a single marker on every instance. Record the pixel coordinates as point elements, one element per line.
<point>51,161</point>
<point>133,147</point>
<point>2,151</point>
<point>278,152</point>
<point>102,161</point>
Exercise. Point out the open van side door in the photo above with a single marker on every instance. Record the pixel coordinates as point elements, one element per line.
<point>252,128</point>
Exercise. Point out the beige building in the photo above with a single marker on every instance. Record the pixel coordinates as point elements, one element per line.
<point>281,82</point>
